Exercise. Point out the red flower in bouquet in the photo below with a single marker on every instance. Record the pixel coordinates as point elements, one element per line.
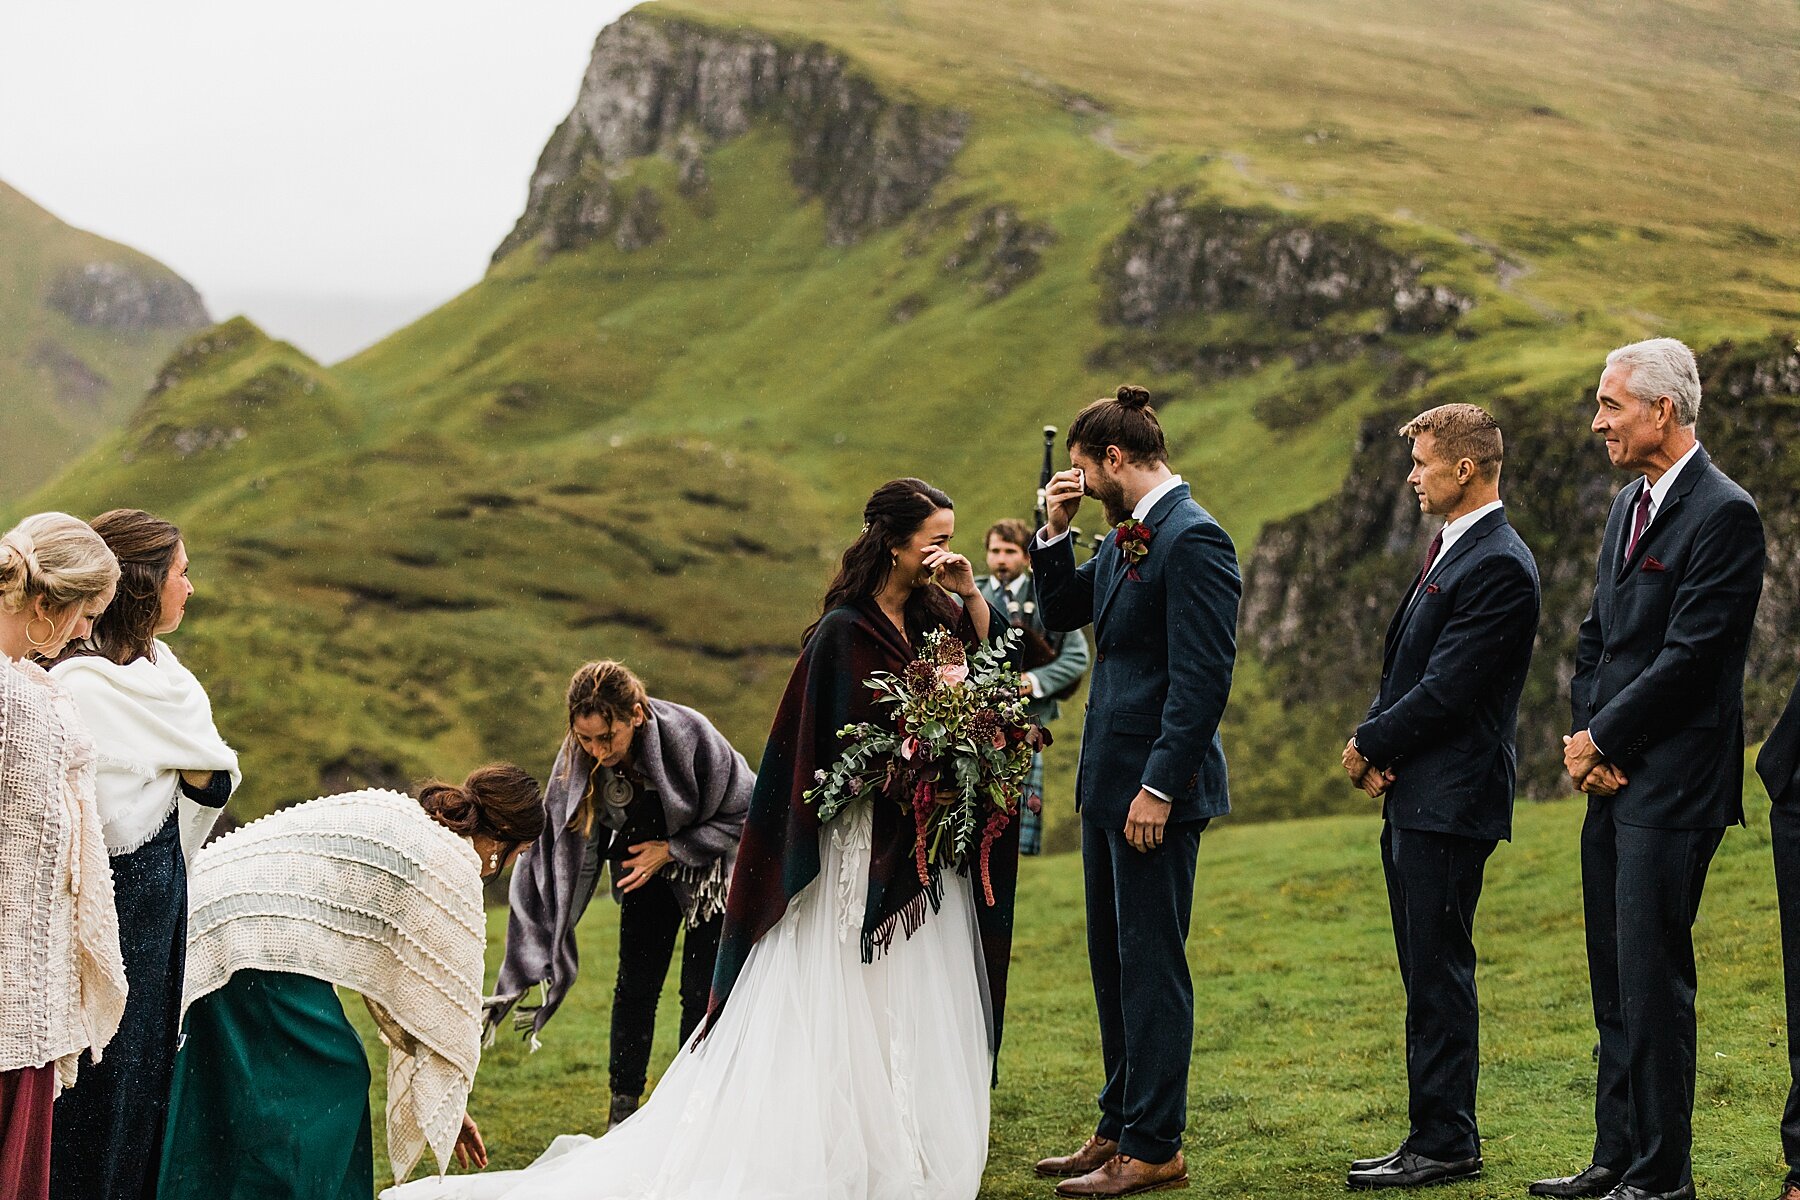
<point>1133,541</point>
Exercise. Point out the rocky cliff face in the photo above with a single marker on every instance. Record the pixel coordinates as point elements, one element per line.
<point>1315,291</point>
<point>1321,586</point>
<point>109,295</point>
<point>659,86</point>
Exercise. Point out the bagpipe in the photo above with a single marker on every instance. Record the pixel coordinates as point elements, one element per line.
<point>1038,649</point>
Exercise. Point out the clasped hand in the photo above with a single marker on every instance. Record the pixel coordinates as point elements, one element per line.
<point>646,859</point>
<point>1588,768</point>
<point>1364,774</point>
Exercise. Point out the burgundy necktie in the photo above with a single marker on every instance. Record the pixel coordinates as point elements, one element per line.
<point>1638,522</point>
<point>1431,553</point>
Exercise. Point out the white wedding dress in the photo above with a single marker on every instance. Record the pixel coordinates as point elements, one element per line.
<point>825,1078</point>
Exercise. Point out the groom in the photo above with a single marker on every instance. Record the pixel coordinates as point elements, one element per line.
<point>1162,595</point>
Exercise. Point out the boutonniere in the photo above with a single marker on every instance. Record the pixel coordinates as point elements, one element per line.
<point>1432,589</point>
<point>1651,564</point>
<point>1133,540</point>
<point>1030,607</point>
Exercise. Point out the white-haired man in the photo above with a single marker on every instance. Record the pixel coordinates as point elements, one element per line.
<point>1657,743</point>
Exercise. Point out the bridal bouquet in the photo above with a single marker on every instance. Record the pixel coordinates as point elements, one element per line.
<point>957,755</point>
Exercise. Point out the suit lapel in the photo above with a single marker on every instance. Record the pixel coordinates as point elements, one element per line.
<point>1114,562</point>
<point>1441,567</point>
<point>1684,483</point>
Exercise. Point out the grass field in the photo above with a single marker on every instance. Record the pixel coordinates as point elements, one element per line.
<point>1297,1062</point>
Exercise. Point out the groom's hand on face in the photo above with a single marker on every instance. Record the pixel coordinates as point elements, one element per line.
<point>1145,822</point>
<point>1061,498</point>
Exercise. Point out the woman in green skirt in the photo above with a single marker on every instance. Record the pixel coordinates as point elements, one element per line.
<point>371,891</point>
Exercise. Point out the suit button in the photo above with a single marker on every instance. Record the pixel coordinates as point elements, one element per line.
<point>1607,657</point>
<point>1101,657</point>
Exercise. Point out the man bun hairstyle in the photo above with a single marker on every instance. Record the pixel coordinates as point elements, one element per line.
<point>56,558</point>
<point>145,546</point>
<point>1125,420</point>
<point>498,801</point>
<point>1462,431</point>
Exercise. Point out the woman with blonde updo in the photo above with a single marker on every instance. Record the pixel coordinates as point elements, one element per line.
<point>62,984</point>
<point>372,891</point>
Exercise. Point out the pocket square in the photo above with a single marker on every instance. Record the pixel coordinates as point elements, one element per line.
<point>1651,564</point>
<point>1432,589</point>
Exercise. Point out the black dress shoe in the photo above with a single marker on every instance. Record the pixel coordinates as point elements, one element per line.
<point>1625,1191</point>
<point>1407,1169</point>
<point>1369,1164</point>
<point>1592,1181</point>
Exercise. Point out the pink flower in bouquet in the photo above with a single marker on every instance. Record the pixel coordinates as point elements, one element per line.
<point>953,674</point>
<point>909,748</point>
<point>999,739</point>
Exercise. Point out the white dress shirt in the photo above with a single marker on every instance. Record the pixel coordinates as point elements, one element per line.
<point>1455,529</point>
<point>1659,492</point>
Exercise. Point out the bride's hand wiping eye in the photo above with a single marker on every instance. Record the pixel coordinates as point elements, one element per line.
<point>951,571</point>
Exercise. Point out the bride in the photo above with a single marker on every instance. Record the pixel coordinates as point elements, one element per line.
<point>848,1048</point>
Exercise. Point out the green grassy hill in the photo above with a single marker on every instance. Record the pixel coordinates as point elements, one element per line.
<point>781,252</point>
<point>84,322</point>
<point>1297,1064</point>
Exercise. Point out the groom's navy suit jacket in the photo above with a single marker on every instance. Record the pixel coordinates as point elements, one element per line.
<point>1165,643</point>
<point>1451,675</point>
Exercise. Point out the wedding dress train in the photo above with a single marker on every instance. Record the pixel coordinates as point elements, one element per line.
<point>825,1078</point>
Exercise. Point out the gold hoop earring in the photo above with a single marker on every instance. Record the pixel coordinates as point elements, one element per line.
<point>35,643</point>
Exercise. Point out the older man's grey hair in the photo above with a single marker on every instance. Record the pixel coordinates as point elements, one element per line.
<point>1662,367</point>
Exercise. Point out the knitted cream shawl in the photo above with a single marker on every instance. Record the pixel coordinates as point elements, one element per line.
<point>151,720</point>
<point>365,891</point>
<point>62,982</point>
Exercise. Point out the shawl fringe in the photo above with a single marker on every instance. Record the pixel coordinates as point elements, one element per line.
<point>907,921</point>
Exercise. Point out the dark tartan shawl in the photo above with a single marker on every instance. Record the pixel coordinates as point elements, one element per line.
<point>779,854</point>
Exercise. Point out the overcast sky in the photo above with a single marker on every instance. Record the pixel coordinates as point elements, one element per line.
<point>334,168</point>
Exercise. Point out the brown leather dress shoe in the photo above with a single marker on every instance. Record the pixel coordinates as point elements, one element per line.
<point>1093,1153</point>
<point>1123,1175</point>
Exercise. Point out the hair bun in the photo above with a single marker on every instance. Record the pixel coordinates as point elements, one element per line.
<point>1134,397</point>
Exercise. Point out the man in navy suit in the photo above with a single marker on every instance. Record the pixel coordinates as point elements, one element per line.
<point>1657,743</point>
<point>1779,767</point>
<point>1162,595</point>
<point>1438,746</point>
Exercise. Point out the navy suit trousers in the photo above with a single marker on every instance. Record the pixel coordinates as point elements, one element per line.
<point>1640,894</point>
<point>1138,905</point>
<point>1433,885</point>
<point>1784,834</point>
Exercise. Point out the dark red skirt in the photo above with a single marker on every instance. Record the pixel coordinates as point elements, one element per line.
<point>26,1101</point>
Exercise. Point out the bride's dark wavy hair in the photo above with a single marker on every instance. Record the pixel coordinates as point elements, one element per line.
<point>892,515</point>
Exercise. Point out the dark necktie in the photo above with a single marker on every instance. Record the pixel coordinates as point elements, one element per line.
<point>1638,522</point>
<point>1431,553</point>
